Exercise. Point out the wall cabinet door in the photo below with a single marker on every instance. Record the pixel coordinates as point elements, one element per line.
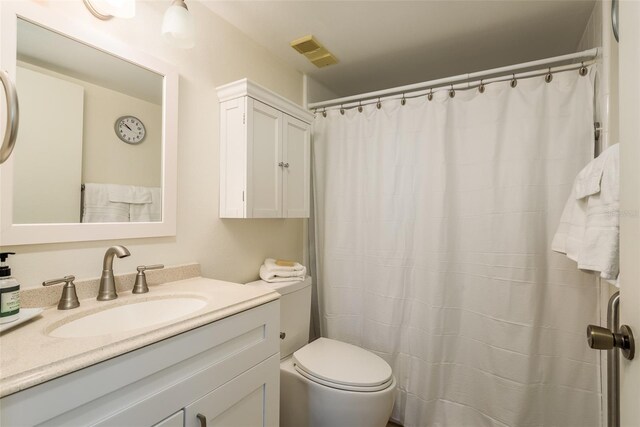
<point>250,399</point>
<point>265,155</point>
<point>233,158</point>
<point>296,167</point>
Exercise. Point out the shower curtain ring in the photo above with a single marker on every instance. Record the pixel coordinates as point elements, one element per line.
<point>403,100</point>
<point>315,111</point>
<point>341,109</point>
<point>549,76</point>
<point>360,107</point>
<point>430,95</point>
<point>452,92</point>
<point>481,87</point>
<point>583,71</point>
<point>324,112</point>
<point>378,104</point>
<point>514,81</point>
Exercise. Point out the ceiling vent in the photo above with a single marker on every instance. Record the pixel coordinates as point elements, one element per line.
<point>306,44</point>
<point>314,51</point>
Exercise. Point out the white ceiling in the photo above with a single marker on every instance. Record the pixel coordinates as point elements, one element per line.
<point>45,48</point>
<point>382,44</point>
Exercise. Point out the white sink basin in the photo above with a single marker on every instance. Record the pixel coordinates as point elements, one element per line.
<point>127,317</point>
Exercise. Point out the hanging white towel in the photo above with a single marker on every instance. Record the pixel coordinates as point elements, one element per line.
<point>129,194</point>
<point>148,212</point>
<point>589,230</point>
<point>98,208</point>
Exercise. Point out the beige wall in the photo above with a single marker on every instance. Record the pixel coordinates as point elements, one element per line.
<point>46,192</point>
<point>317,92</point>
<point>108,160</point>
<point>227,249</point>
<point>105,158</point>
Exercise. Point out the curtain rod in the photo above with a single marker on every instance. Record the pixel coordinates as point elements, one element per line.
<point>590,53</point>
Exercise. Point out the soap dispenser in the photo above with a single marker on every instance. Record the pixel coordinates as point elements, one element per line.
<point>9,292</point>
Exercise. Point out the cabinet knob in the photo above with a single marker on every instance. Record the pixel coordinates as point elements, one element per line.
<point>202,419</point>
<point>281,164</point>
<point>286,165</point>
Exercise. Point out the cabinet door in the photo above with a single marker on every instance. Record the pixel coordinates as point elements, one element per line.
<point>250,399</point>
<point>296,158</point>
<point>233,158</point>
<point>265,153</point>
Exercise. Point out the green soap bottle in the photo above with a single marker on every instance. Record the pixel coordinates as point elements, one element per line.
<point>9,292</point>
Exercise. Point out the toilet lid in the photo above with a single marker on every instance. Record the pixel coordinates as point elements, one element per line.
<point>341,365</point>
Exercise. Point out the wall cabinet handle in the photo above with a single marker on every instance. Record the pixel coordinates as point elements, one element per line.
<point>202,419</point>
<point>13,117</point>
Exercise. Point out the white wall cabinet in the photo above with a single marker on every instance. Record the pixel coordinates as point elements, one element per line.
<point>227,371</point>
<point>265,151</point>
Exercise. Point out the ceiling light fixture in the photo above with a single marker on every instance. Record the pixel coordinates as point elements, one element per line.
<point>107,9</point>
<point>178,25</point>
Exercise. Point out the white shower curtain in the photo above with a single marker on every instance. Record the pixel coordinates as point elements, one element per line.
<point>434,222</point>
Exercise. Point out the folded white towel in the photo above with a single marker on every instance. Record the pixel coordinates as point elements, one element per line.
<point>272,277</point>
<point>589,230</point>
<point>129,194</point>
<point>271,265</point>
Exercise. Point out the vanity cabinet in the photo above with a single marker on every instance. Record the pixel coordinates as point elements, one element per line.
<point>226,371</point>
<point>265,151</point>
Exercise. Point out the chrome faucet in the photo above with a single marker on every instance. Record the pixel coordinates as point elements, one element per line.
<point>107,284</point>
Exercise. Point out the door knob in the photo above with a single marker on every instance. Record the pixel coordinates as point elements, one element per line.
<point>600,338</point>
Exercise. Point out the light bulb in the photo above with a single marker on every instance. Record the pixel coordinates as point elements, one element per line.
<point>178,25</point>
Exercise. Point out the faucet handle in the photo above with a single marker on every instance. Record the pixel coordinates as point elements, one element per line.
<point>143,268</point>
<point>140,286</point>
<point>69,298</point>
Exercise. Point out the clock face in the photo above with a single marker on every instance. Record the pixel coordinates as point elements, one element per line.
<point>130,129</point>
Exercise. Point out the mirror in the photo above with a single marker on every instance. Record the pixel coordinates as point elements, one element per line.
<point>74,160</point>
<point>96,129</point>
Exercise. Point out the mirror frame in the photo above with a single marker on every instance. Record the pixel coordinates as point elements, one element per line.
<point>24,234</point>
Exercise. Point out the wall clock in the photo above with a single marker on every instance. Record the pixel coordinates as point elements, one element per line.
<point>130,129</point>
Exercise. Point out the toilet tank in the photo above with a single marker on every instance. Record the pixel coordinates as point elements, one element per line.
<point>295,312</point>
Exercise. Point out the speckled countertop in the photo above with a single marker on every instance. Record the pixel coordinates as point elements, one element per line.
<point>29,356</point>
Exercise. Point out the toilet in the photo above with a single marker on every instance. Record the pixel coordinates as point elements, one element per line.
<point>326,383</point>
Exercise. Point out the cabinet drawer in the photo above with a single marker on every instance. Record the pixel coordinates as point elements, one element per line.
<point>175,420</point>
<point>250,399</point>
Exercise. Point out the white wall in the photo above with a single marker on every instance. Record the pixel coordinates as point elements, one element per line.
<point>227,249</point>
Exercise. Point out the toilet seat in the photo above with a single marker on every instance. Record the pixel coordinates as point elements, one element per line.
<point>342,366</point>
